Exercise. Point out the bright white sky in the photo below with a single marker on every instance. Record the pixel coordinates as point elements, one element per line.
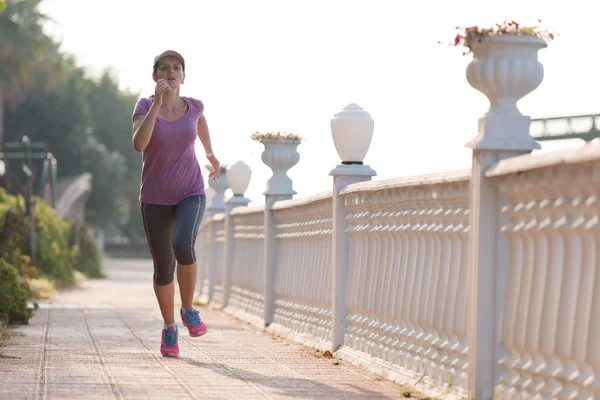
<point>289,65</point>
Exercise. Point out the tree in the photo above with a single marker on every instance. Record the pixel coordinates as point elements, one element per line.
<point>24,51</point>
<point>86,124</point>
<point>85,121</point>
<point>111,111</point>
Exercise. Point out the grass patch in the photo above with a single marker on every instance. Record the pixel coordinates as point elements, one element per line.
<point>80,277</point>
<point>5,333</point>
<point>42,288</point>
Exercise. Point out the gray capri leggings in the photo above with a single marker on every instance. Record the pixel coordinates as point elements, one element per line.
<point>171,233</point>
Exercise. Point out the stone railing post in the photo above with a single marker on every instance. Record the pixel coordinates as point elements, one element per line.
<point>505,69</point>
<point>239,175</point>
<point>352,131</point>
<point>280,155</point>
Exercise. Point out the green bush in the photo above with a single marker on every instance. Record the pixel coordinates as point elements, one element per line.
<point>11,221</point>
<point>13,298</point>
<point>55,257</point>
<point>88,260</point>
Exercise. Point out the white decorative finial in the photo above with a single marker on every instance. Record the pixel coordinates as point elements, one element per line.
<point>352,130</point>
<point>238,177</point>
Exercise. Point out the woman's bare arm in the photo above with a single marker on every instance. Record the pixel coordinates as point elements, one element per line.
<point>143,125</point>
<point>204,136</point>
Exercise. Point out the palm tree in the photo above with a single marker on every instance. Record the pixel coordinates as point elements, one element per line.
<point>25,51</point>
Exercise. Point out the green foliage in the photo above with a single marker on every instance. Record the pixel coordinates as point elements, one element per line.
<point>13,298</point>
<point>87,125</point>
<point>11,219</point>
<point>24,49</point>
<point>86,121</point>
<point>55,257</point>
<point>111,121</point>
<point>88,260</point>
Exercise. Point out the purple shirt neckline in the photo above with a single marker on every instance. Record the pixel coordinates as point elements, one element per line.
<point>177,120</point>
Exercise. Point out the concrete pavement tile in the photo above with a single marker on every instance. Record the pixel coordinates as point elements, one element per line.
<point>78,390</point>
<point>19,376</point>
<point>62,353</point>
<point>11,364</point>
<point>68,377</point>
<point>92,396</point>
<point>156,391</point>
<point>161,378</point>
<point>276,396</point>
<point>138,371</point>
<point>127,366</point>
<point>134,358</point>
<point>27,394</point>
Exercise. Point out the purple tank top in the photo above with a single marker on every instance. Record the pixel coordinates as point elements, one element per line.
<point>170,169</point>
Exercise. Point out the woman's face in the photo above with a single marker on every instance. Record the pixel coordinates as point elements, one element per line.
<point>170,69</point>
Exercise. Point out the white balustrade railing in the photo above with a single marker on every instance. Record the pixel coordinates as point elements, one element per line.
<point>408,289</point>
<point>214,228</point>
<point>303,259</point>
<point>408,273</point>
<point>479,284</point>
<point>551,319</point>
<point>209,257</point>
<point>247,283</point>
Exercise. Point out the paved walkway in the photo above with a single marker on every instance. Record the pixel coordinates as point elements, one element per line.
<point>101,341</point>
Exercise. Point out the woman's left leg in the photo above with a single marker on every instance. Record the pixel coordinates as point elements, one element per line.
<point>188,215</point>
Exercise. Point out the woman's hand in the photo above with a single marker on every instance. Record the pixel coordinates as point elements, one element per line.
<point>161,87</point>
<point>216,165</point>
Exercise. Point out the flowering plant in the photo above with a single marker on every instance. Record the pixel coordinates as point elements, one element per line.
<point>259,137</point>
<point>467,36</point>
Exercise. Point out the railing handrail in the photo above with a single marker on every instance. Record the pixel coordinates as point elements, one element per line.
<point>411,181</point>
<point>248,210</point>
<point>528,162</point>
<point>283,204</point>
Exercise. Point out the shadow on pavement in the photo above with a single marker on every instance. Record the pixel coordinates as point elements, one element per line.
<point>295,387</point>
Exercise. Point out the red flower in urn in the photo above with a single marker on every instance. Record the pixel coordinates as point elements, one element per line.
<point>467,36</point>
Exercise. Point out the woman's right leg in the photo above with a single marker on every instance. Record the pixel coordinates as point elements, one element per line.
<point>158,223</point>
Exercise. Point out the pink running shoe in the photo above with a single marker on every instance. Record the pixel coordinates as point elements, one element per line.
<point>191,320</point>
<point>169,346</point>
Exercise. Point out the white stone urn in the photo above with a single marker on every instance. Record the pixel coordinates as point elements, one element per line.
<point>238,177</point>
<point>505,69</point>
<point>352,131</point>
<point>219,185</point>
<point>280,155</point>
